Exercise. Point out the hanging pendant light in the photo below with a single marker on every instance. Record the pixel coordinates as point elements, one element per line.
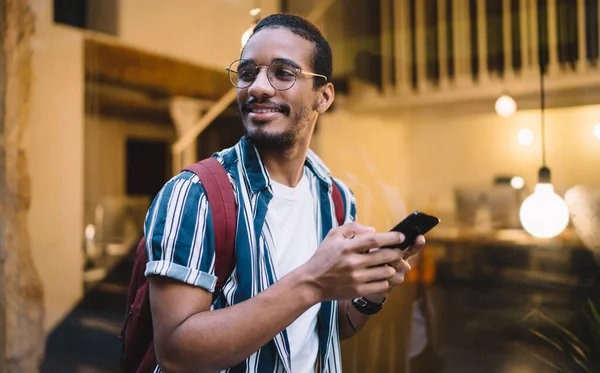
<point>505,106</point>
<point>544,214</point>
<point>255,13</point>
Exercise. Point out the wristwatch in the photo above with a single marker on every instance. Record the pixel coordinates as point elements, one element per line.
<point>366,307</point>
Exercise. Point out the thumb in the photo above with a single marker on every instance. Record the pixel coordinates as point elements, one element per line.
<point>353,229</point>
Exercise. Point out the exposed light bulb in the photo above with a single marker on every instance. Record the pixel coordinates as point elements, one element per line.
<point>246,35</point>
<point>90,232</point>
<point>544,214</point>
<point>597,131</point>
<point>525,137</point>
<point>517,182</point>
<point>505,106</point>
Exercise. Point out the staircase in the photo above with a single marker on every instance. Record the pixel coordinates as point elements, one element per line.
<point>86,341</point>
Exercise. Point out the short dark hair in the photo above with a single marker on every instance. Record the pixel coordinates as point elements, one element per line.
<point>321,58</point>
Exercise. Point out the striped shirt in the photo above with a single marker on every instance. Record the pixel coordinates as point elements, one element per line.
<point>180,242</point>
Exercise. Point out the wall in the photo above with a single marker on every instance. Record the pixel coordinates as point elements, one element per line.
<point>454,150</point>
<point>207,32</point>
<point>370,154</point>
<point>54,146</point>
<point>105,155</point>
<point>423,156</point>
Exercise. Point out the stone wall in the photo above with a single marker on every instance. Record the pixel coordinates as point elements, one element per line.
<point>21,295</point>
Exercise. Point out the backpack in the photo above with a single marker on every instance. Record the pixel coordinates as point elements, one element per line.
<point>137,340</point>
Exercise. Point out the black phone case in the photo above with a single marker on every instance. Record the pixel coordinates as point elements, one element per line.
<point>415,224</point>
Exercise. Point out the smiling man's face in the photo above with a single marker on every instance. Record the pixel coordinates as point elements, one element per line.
<point>276,119</point>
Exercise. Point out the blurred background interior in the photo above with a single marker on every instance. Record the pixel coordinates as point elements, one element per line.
<point>450,107</point>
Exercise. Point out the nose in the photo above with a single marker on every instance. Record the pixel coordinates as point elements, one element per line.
<point>261,87</point>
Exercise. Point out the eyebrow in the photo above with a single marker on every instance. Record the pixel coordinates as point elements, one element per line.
<point>244,62</point>
<point>287,61</point>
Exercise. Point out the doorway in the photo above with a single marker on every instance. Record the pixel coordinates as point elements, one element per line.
<point>148,166</point>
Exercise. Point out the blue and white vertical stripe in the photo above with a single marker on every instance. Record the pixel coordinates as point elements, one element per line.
<point>180,244</point>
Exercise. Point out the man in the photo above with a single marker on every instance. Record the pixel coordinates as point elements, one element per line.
<point>290,298</point>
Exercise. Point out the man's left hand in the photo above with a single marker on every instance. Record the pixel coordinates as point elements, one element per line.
<point>402,268</point>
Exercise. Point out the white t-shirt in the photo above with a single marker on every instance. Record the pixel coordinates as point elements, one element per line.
<point>291,220</point>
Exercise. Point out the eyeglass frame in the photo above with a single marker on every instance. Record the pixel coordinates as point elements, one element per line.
<point>292,64</point>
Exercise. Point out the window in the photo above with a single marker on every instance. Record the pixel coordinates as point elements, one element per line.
<point>100,16</point>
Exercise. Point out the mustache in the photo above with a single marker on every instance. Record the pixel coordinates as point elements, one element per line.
<point>252,101</point>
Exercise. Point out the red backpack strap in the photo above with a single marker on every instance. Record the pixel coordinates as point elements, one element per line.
<point>220,196</point>
<point>137,355</point>
<point>338,204</point>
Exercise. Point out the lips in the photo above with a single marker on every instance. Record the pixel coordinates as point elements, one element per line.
<point>264,112</point>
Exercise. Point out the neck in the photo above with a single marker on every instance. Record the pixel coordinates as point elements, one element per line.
<point>285,167</point>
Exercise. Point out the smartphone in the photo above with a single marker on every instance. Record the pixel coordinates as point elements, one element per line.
<point>415,224</point>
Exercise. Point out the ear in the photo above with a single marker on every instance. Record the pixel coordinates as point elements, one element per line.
<point>325,96</point>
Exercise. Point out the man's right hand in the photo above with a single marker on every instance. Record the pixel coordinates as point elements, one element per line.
<point>343,268</point>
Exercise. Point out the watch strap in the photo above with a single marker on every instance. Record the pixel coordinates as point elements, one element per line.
<point>366,307</point>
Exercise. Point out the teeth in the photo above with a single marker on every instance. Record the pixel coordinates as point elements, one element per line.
<point>260,111</point>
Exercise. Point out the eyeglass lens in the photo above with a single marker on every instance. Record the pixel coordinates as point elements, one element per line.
<point>243,72</point>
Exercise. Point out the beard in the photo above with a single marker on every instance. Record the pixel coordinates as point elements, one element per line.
<point>280,141</point>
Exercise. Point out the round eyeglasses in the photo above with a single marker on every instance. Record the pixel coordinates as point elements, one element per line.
<point>281,74</point>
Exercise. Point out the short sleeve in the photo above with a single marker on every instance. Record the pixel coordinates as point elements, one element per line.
<point>179,233</point>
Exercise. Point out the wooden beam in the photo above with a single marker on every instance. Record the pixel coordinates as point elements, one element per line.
<point>114,101</point>
<point>113,63</point>
<point>192,133</point>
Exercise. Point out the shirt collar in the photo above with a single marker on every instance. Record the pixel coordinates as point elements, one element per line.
<point>257,175</point>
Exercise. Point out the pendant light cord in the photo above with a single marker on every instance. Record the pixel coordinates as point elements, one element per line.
<point>543,121</point>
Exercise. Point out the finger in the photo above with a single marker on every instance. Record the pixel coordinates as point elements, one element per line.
<point>415,247</point>
<point>397,280</point>
<point>375,240</point>
<point>374,274</point>
<point>402,266</point>
<point>353,229</point>
<point>381,257</point>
